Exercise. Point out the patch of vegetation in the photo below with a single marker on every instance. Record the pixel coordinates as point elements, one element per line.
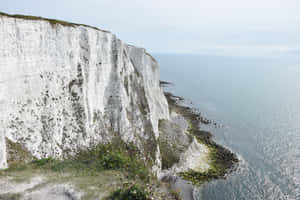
<point>150,147</point>
<point>113,156</point>
<point>43,162</point>
<point>168,156</point>
<point>222,161</point>
<point>174,193</point>
<point>10,196</point>
<point>130,193</point>
<point>197,178</point>
<point>53,22</point>
<point>96,171</point>
<point>17,153</point>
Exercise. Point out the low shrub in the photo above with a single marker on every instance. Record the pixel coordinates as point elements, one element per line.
<point>130,193</point>
<point>43,162</point>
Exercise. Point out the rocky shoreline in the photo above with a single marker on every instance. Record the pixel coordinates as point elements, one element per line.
<point>221,160</point>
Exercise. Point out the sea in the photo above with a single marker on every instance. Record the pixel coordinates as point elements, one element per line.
<point>256,104</point>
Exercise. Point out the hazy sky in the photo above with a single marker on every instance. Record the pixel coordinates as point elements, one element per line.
<point>183,26</point>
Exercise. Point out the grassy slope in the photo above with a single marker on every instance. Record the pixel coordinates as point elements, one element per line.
<point>97,172</point>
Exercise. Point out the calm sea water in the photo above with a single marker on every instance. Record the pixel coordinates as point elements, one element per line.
<point>257,102</point>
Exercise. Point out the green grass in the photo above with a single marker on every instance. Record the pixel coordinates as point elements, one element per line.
<point>100,170</point>
<point>103,157</point>
<point>133,192</point>
<point>115,170</point>
<point>168,155</point>
<point>17,153</point>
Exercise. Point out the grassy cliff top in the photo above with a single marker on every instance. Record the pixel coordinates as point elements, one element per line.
<point>51,21</point>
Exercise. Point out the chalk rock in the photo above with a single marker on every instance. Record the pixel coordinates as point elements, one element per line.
<point>69,87</point>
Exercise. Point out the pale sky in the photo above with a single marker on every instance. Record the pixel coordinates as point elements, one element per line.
<point>182,26</point>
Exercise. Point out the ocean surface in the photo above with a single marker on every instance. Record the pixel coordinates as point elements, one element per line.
<point>256,103</point>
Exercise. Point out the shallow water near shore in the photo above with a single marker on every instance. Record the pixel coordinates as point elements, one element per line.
<point>256,103</point>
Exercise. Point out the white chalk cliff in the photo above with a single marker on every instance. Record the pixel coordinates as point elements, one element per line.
<point>69,87</point>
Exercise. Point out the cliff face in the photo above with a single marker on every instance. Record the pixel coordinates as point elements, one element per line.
<point>64,88</point>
